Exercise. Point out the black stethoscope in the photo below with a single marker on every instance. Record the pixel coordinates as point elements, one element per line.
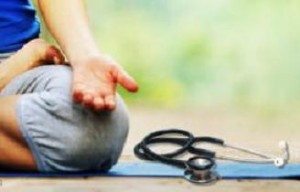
<point>199,169</point>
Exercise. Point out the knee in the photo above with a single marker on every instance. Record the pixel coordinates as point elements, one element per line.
<point>58,79</point>
<point>69,136</point>
<point>91,140</point>
<point>106,135</point>
<point>115,131</point>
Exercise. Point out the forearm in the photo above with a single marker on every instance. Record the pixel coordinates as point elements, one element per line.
<point>95,75</point>
<point>68,23</point>
<point>10,68</point>
<point>5,75</point>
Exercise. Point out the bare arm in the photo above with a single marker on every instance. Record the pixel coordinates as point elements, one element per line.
<point>9,70</point>
<point>35,53</point>
<point>68,23</point>
<point>95,75</point>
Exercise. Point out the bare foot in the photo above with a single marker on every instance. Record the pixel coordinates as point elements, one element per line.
<point>39,52</point>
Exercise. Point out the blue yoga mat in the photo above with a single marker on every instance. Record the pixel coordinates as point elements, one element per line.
<point>149,169</point>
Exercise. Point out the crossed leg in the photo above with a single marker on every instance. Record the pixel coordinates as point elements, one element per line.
<point>63,136</point>
<point>14,152</point>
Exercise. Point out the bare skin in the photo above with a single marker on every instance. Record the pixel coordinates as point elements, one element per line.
<point>95,74</point>
<point>94,84</point>
<point>35,53</point>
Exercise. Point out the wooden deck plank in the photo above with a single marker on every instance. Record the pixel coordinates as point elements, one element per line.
<point>104,184</point>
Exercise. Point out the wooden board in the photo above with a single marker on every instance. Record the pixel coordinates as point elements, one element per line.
<point>141,185</point>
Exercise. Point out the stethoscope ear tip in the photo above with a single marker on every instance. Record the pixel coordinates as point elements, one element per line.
<point>279,162</point>
<point>283,145</point>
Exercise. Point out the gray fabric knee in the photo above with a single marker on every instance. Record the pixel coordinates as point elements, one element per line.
<point>65,136</point>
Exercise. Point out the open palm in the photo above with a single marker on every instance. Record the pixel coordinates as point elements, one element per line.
<point>95,80</point>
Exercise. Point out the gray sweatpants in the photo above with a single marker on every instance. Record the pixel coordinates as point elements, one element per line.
<point>63,135</point>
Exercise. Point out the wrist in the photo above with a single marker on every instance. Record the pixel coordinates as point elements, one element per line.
<point>83,55</point>
<point>88,57</point>
<point>78,51</point>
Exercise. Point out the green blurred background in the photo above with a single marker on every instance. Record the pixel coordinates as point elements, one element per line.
<point>205,53</point>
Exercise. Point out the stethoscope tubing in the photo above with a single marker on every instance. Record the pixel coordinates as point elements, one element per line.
<point>143,151</point>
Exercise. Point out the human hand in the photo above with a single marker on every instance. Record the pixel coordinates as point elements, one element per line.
<point>95,80</point>
<point>38,52</point>
<point>33,54</point>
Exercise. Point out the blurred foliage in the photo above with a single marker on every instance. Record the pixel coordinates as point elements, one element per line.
<point>205,53</point>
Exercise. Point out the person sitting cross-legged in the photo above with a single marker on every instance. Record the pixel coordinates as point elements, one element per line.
<point>58,117</point>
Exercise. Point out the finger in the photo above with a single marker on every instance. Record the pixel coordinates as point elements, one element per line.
<point>87,100</point>
<point>127,81</point>
<point>55,55</point>
<point>77,95</point>
<point>59,60</point>
<point>98,103</point>
<point>59,57</point>
<point>110,102</point>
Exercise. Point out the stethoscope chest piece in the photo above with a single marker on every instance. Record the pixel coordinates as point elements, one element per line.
<point>201,170</point>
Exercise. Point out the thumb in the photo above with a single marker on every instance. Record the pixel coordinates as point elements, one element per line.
<point>53,54</point>
<point>126,81</point>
